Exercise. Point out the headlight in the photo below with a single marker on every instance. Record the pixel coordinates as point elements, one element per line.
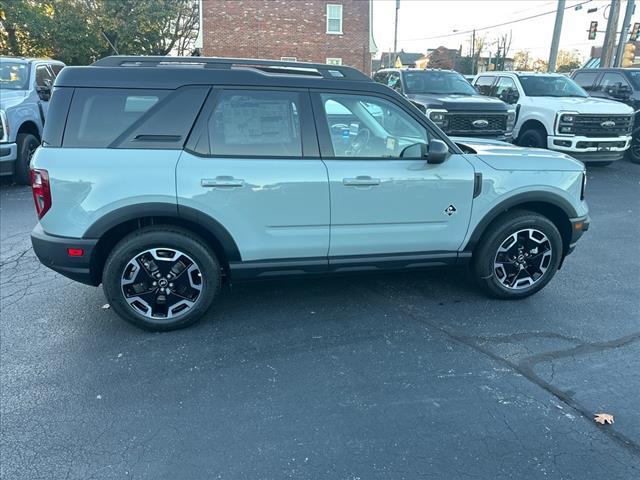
<point>511,120</point>
<point>439,117</point>
<point>4,130</point>
<point>565,124</point>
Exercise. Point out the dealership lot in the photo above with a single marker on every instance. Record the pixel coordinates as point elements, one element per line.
<point>394,376</point>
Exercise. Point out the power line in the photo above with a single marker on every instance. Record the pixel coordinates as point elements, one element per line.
<point>466,32</point>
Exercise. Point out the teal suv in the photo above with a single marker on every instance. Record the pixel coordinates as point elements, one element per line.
<point>162,178</point>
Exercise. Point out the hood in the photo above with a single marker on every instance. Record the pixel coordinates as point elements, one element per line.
<point>10,98</point>
<point>505,156</point>
<point>588,105</point>
<point>459,102</point>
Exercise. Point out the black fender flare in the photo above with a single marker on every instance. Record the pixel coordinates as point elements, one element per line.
<point>166,210</point>
<point>548,198</point>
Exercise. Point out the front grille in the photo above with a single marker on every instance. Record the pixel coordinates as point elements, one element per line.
<point>462,123</point>
<point>591,125</point>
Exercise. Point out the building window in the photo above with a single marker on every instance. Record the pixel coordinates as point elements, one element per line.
<point>289,59</point>
<point>334,61</point>
<point>334,18</point>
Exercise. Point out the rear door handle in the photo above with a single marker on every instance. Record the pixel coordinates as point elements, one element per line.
<point>221,182</point>
<point>361,181</point>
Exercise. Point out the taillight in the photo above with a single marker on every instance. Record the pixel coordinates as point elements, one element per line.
<point>41,191</point>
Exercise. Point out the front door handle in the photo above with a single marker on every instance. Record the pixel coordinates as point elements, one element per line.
<point>361,181</point>
<point>221,182</point>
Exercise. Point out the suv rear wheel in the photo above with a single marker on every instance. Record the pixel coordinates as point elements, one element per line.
<point>27,145</point>
<point>161,278</point>
<point>518,255</point>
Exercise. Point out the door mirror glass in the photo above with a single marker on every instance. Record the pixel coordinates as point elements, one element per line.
<point>438,151</point>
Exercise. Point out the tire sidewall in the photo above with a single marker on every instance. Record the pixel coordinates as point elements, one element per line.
<point>484,263</point>
<point>23,162</point>
<point>535,135</point>
<point>131,246</point>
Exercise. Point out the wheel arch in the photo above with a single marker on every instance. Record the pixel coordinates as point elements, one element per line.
<point>29,126</point>
<point>552,206</point>
<point>111,228</point>
<point>533,123</point>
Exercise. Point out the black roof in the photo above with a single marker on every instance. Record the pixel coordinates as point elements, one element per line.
<point>174,72</point>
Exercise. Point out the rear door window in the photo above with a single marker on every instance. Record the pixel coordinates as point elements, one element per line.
<point>44,76</point>
<point>256,123</point>
<point>98,116</point>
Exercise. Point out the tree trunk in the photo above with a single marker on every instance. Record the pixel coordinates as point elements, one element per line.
<point>12,40</point>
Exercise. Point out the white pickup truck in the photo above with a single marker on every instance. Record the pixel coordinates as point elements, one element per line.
<point>554,112</point>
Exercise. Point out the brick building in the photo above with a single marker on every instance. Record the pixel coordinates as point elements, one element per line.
<point>323,31</point>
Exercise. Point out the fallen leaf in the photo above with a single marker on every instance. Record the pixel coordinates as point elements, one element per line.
<point>105,306</point>
<point>603,418</point>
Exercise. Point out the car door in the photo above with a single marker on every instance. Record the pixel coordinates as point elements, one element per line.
<point>609,83</point>
<point>385,198</point>
<point>252,165</point>
<point>506,90</point>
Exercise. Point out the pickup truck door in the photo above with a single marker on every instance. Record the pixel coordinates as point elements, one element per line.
<point>385,198</point>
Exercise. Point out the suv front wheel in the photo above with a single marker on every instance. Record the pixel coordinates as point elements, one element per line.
<point>161,278</point>
<point>518,255</point>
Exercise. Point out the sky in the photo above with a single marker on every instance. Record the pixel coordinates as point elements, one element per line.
<point>420,19</point>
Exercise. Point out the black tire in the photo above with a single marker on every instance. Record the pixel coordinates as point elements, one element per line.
<point>533,138</point>
<point>633,153</point>
<point>26,144</point>
<point>161,237</point>
<point>497,235</point>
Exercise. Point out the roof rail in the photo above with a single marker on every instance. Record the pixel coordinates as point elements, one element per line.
<point>276,67</point>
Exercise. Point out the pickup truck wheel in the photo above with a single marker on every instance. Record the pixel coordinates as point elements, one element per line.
<point>533,138</point>
<point>27,145</point>
<point>634,150</point>
<point>161,278</point>
<point>518,255</point>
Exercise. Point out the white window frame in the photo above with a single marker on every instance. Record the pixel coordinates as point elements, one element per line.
<point>329,5</point>
<point>288,59</point>
<point>336,60</point>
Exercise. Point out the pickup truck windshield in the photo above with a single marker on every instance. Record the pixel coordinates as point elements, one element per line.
<point>548,86</point>
<point>449,83</point>
<point>14,75</point>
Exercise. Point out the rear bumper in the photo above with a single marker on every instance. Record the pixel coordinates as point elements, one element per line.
<point>8,155</point>
<point>52,252</point>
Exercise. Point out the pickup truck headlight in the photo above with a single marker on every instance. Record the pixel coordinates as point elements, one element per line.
<point>439,117</point>
<point>511,120</point>
<point>4,130</point>
<point>565,123</point>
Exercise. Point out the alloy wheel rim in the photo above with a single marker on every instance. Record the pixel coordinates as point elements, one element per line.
<point>522,259</point>
<point>161,283</point>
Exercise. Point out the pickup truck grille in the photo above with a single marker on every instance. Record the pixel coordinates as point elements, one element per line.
<point>462,124</point>
<point>592,125</point>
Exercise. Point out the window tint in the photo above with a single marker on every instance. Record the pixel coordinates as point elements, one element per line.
<point>586,80</point>
<point>98,116</point>
<point>256,123</point>
<point>506,90</point>
<point>612,80</point>
<point>44,76</point>
<point>483,84</point>
<point>371,127</point>
<point>393,81</point>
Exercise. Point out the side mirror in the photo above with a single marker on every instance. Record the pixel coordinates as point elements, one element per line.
<point>620,91</point>
<point>438,152</point>
<point>44,92</point>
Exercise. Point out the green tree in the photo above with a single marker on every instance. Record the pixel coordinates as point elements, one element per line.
<point>80,31</point>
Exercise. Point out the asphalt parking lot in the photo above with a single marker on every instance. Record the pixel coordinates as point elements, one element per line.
<point>390,377</point>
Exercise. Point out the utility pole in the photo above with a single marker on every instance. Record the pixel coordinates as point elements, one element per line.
<point>610,35</point>
<point>395,34</point>
<point>626,23</point>
<point>555,40</point>
<point>473,52</point>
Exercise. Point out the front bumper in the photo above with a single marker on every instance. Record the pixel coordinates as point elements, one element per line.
<point>506,137</point>
<point>52,252</point>
<point>578,227</point>
<point>8,156</point>
<point>590,149</point>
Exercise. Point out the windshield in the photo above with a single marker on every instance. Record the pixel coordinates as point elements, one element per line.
<point>548,86</point>
<point>450,83</point>
<point>14,75</point>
